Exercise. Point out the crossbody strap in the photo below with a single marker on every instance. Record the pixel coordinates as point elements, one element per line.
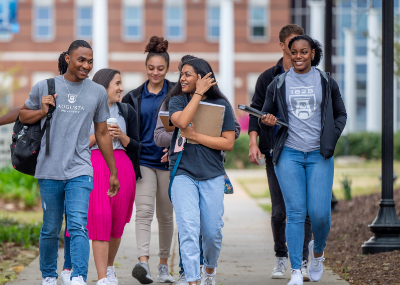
<point>51,90</point>
<point>171,179</point>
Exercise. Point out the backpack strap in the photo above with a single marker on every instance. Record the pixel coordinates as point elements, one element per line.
<point>51,85</point>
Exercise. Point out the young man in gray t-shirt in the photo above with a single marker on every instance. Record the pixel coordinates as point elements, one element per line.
<point>66,174</point>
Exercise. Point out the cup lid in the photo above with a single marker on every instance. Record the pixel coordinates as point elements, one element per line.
<point>112,121</point>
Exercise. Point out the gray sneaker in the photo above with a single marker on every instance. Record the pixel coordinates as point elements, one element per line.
<point>279,271</point>
<point>182,280</point>
<point>141,272</point>
<point>163,274</point>
<point>208,279</point>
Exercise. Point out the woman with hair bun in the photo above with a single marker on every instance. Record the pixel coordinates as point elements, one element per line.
<point>152,188</point>
<point>309,101</point>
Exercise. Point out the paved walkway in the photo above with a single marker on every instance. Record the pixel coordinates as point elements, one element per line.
<point>247,255</point>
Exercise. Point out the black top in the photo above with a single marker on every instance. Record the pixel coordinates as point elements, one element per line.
<point>266,140</point>
<point>198,161</point>
<point>133,148</point>
<point>134,99</point>
<point>333,114</point>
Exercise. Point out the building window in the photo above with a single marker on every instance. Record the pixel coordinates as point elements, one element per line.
<point>258,21</point>
<point>84,22</point>
<point>174,20</point>
<point>132,22</point>
<point>213,17</point>
<point>5,33</point>
<point>43,22</point>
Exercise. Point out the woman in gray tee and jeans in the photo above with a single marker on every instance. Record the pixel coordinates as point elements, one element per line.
<point>309,101</point>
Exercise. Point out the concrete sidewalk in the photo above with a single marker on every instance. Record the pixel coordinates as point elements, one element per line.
<point>247,255</point>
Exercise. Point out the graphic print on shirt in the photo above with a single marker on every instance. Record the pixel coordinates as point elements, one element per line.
<point>303,102</point>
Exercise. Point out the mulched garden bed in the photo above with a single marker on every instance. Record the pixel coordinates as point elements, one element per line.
<point>348,232</point>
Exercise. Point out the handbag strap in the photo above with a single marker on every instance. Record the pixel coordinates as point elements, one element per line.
<point>171,179</point>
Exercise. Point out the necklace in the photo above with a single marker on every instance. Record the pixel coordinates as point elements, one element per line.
<point>72,97</point>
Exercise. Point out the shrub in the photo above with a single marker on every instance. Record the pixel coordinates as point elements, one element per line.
<point>346,184</point>
<point>239,156</point>
<point>16,187</point>
<point>23,234</point>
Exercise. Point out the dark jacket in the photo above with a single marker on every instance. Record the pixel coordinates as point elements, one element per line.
<point>333,114</point>
<point>133,148</point>
<point>266,137</point>
<point>134,99</point>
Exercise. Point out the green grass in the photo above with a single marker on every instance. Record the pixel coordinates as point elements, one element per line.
<point>24,216</point>
<point>266,207</point>
<point>17,187</point>
<point>25,234</point>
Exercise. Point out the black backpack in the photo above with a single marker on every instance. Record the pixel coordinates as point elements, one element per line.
<point>26,139</point>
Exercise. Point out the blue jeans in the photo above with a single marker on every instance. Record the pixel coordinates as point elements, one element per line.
<point>180,256</point>
<point>75,192</point>
<point>306,180</point>
<point>199,207</point>
<point>67,247</point>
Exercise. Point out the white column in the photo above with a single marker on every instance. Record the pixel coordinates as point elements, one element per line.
<point>374,74</point>
<point>350,87</point>
<point>100,34</point>
<point>395,102</point>
<point>226,78</point>
<point>317,23</point>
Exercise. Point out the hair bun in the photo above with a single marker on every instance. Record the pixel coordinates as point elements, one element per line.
<point>157,45</point>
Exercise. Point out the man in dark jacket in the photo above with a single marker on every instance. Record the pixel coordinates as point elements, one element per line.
<point>266,142</point>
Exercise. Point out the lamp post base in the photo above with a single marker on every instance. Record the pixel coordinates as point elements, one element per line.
<point>386,228</point>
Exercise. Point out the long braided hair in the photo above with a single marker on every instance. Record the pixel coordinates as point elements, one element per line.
<point>62,64</point>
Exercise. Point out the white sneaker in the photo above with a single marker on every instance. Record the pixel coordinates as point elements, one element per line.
<point>65,277</point>
<point>201,271</point>
<point>304,271</point>
<point>208,279</point>
<point>296,278</point>
<point>316,267</point>
<point>111,276</point>
<point>163,274</point>
<point>49,281</point>
<point>279,271</point>
<point>103,281</point>
<point>182,280</point>
<point>78,281</point>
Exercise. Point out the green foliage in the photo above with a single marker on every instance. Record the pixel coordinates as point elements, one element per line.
<point>367,145</point>
<point>24,234</point>
<point>346,186</point>
<point>16,187</point>
<point>239,156</point>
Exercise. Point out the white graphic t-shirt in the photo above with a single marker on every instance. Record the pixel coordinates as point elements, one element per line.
<point>78,104</point>
<point>304,98</point>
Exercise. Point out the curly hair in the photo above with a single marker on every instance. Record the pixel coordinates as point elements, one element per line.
<point>62,64</point>
<point>314,45</point>
<point>157,46</point>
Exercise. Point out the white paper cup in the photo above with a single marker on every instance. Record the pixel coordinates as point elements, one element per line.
<point>112,121</point>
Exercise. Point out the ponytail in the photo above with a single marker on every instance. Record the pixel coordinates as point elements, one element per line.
<point>62,64</point>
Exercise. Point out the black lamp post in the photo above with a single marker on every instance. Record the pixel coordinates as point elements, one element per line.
<point>328,57</point>
<point>386,226</point>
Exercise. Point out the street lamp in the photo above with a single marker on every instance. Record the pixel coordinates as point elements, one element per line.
<point>386,226</point>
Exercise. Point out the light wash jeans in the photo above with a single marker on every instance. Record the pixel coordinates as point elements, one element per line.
<point>199,207</point>
<point>76,193</point>
<point>306,180</point>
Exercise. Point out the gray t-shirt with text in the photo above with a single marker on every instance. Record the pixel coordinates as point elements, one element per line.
<point>304,98</point>
<point>70,125</point>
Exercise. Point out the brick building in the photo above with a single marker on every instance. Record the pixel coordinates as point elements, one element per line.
<point>47,27</point>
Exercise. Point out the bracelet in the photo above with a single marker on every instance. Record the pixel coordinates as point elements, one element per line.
<point>199,94</point>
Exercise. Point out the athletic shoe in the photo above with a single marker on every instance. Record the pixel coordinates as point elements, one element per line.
<point>163,274</point>
<point>279,271</point>
<point>65,277</point>
<point>141,272</point>
<point>78,281</point>
<point>111,276</point>
<point>103,281</point>
<point>296,278</point>
<point>316,267</point>
<point>304,270</point>
<point>182,280</point>
<point>49,281</point>
<point>201,271</point>
<point>208,279</point>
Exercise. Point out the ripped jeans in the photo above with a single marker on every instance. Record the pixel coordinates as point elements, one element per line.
<point>76,193</point>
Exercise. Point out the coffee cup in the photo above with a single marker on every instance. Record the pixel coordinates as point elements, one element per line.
<point>111,121</point>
